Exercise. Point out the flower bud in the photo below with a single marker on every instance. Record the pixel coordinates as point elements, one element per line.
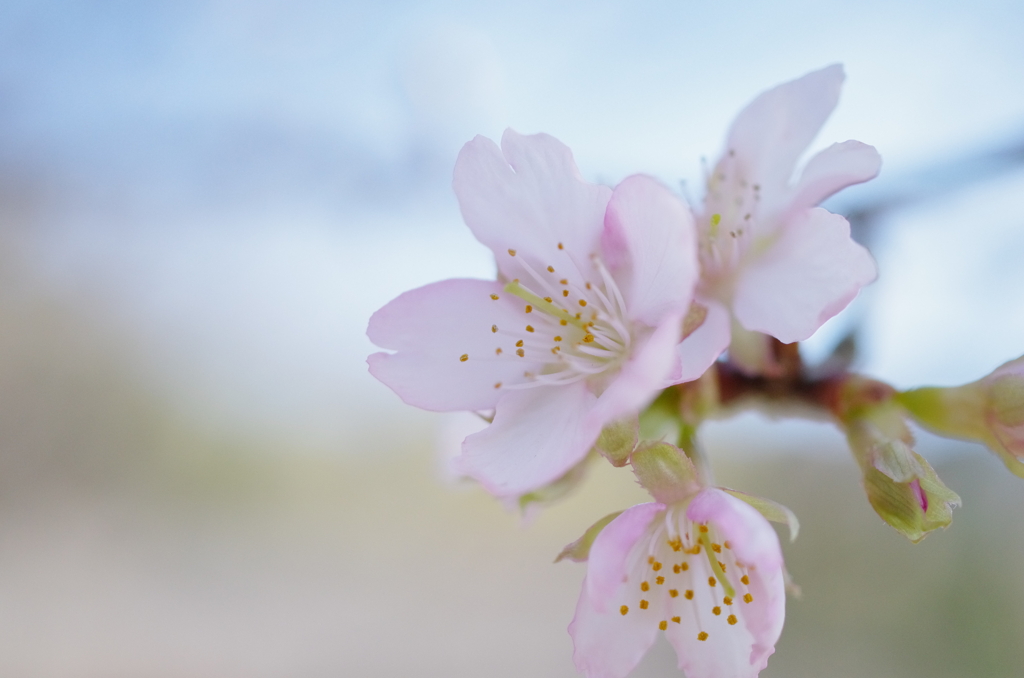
<point>901,486</point>
<point>666,472</point>
<point>617,441</point>
<point>990,411</point>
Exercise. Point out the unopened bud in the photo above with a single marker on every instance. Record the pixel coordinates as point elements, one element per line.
<point>990,410</point>
<point>617,441</point>
<point>901,486</point>
<point>666,472</point>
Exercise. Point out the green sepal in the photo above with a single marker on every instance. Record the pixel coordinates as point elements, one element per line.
<point>771,510</point>
<point>618,440</point>
<point>579,550</point>
<point>665,471</point>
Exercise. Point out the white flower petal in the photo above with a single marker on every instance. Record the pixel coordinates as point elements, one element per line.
<point>812,271</point>
<point>537,435</point>
<point>432,328</point>
<point>528,197</point>
<point>774,130</point>
<point>650,243</point>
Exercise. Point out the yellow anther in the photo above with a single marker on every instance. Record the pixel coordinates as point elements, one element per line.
<point>578,316</point>
<point>494,328</point>
<point>745,579</point>
<point>650,559</point>
<point>727,544</point>
<point>554,351</point>
<point>519,343</point>
<point>721,565</point>
<point>676,569</point>
<point>589,338</point>
<point>587,286</point>
<point>464,357</point>
<point>564,281</point>
<point>716,219</point>
<point>644,586</point>
<point>563,323</point>
<point>663,625</point>
<point>717,548</point>
<point>583,302</point>
<point>704,528</point>
<point>677,620</point>
<point>655,566</point>
<point>689,594</point>
<point>747,598</point>
<point>695,550</point>
<point>711,581</point>
<point>716,610</point>
<point>675,543</point>
<point>494,296</point>
<point>548,299</point>
<point>551,269</point>
<point>561,246</point>
<point>731,619</point>
<point>497,351</point>
<point>684,566</point>
<point>643,604</point>
<point>498,385</point>
<point>659,581</point>
<point>529,328</point>
<point>673,592</point>
<point>529,309</point>
<point>623,610</point>
<point>520,352</point>
<point>727,600</point>
<point>702,636</point>
<point>565,293</point>
<point>558,337</point>
<point>512,252</point>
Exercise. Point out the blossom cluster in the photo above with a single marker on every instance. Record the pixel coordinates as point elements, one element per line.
<point>621,318</point>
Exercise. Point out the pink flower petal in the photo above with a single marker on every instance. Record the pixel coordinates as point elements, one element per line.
<point>774,130</point>
<point>653,366</point>
<point>701,349</point>
<point>754,542</point>
<point>537,435</point>
<point>650,242</point>
<point>528,197</point>
<point>810,273</point>
<point>608,563</point>
<point>608,645</point>
<point>830,171</point>
<point>431,328</point>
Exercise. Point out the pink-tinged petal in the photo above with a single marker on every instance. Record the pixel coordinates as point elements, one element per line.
<point>755,544</point>
<point>701,349</point>
<point>774,130</point>
<point>653,366</point>
<point>609,564</point>
<point>529,197</point>
<point>835,168</point>
<point>432,328</point>
<point>650,243</point>
<point>808,274</point>
<point>607,644</point>
<point>537,435</point>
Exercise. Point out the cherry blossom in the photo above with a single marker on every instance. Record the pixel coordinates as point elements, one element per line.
<point>580,328</point>
<point>707,571</point>
<point>771,261</point>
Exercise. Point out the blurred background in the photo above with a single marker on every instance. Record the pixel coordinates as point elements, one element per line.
<point>201,203</point>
